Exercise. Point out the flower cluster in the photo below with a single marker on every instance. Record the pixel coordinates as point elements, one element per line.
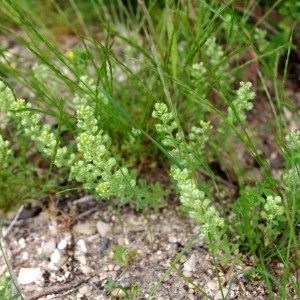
<point>201,208</point>
<point>94,165</point>
<point>293,145</point>
<point>30,122</point>
<point>241,102</point>
<point>97,168</point>
<point>291,177</point>
<point>293,140</point>
<point>184,153</point>
<point>5,153</point>
<point>272,208</point>
<point>273,213</point>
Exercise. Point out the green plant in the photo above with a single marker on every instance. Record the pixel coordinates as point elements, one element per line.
<point>123,254</point>
<point>94,165</point>
<point>112,285</point>
<point>180,66</point>
<point>6,289</point>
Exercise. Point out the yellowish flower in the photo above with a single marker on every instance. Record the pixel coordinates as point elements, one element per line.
<point>70,54</point>
<point>102,188</point>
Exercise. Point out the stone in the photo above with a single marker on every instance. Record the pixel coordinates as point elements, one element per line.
<point>87,228</point>
<point>24,255</point>
<point>212,285</point>
<point>48,247</point>
<point>55,257</point>
<point>118,293</point>
<point>82,246</point>
<point>218,295</point>
<point>85,269</point>
<point>22,243</point>
<point>172,240</point>
<point>110,267</point>
<point>62,244</point>
<point>117,267</point>
<point>190,264</point>
<point>81,259</point>
<point>187,274</point>
<point>29,275</point>
<point>121,240</point>
<point>103,229</point>
<point>85,290</point>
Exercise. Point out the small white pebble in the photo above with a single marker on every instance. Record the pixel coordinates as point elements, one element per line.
<point>219,296</point>
<point>110,267</point>
<point>25,255</point>
<point>103,229</point>
<point>62,244</point>
<point>22,243</point>
<point>212,285</point>
<point>187,274</point>
<point>81,259</point>
<point>85,269</point>
<point>87,228</point>
<point>118,293</point>
<point>210,272</point>
<point>82,246</point>
<point>117,267</point>
<point>190,264</point>
<point>55,257</point>
<point>172,240</point>
<point>48,247</point>
<point>84,290</point>
<point>29,275</point>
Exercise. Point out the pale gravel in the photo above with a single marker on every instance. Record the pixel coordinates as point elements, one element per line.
<point>85,261</point>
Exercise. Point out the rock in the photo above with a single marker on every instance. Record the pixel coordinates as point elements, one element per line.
<point>82,246</point>
<point>29,275</point>
<point>87,228</point>
<point>22,243</point>
<point>49,247</point>
<point>118,293</point>
<point>117,268</point>
<point>219,296</point>
<point>62,244</point>
<point>103,229</point>
<point>110,267</point>
<point>85,269</point>
<point>135,222</point>
<point>190,264</point>
<point>81,259</point>
<point>166,229</point>
<point>24,255</point>
<point>121,240</point>
<point>55,257</point>
<point>172,240</point>
<point>187,274</point>
<point>212,285</point>
<point>84,290</point>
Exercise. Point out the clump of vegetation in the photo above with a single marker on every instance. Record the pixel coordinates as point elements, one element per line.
<point>177,91</point>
